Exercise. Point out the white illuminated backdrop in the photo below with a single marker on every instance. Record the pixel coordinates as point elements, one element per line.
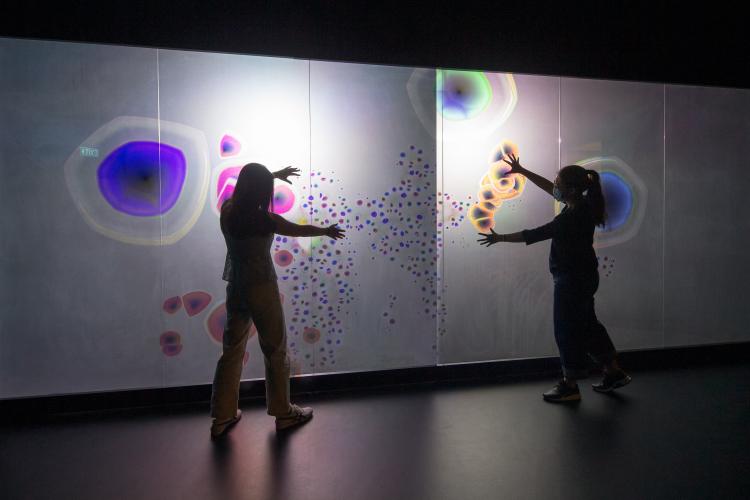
<point>115,159</point>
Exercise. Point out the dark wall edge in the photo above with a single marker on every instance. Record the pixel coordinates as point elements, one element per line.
<point>41,408</point>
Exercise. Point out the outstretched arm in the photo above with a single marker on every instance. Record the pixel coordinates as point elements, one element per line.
<point>287,228</point>
<point>527,236</point>
<point>493,237</point>
<point>516,168</point>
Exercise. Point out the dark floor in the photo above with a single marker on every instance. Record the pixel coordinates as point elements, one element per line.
<point>670,434</point>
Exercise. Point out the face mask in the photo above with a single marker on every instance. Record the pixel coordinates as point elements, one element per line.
<point>556,193</point>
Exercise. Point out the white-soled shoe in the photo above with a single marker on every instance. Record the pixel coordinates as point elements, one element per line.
<point>219,430</point>
<point>297,416</point>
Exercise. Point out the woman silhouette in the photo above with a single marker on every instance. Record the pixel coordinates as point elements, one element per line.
<point>248,225</point>
<point>573,265</point>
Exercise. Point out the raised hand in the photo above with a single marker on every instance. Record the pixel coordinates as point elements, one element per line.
<point>285,173</point>
<point>515,164</point>
<point>489,239</point>
<point>333,231</point>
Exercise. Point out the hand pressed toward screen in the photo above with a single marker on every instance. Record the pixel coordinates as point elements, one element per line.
<point>333,231</point>
<point>285,173</point>
<point>515,164</point>
<point>489,239</point>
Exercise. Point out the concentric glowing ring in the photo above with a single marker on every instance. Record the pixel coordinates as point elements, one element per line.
<point>462,94</point>
<point>147,183</point>
<point>625,196</point>
<point>482,216</point>
<point>142,178</point>
<point>467,104</point>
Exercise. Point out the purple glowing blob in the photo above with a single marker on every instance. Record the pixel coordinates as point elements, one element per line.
<point>142,178</point>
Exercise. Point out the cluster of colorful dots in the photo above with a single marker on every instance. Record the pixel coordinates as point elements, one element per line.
<point>194,303</point>
<point>230,146</point>
<point>495,187</point>
<point>607,265</point>
<point>401,222</point>
<point>392,298</point>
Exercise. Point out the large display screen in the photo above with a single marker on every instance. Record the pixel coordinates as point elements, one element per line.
<point>114,162</point>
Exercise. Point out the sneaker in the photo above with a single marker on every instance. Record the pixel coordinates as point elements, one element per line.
<point>561,393</point>
<point>297,416</point>
<point>219,430</point>
<point>611,382</point>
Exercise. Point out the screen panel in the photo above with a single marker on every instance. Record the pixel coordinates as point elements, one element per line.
<point>80,235</point>
<point>496,301</point>
<point>242,109</point>
<point>616,129</point>
<point>707,145</point>
<point>374,173</point>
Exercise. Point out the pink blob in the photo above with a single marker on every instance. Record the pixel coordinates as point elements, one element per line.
<point>229,146</point>
<point>283,258</point>
<point>225,184</point>
<point>169,338</point>
<point>216,322</point>
<point>283,199</point>
<point>172,350</point>
<point>224,196</point>
<point>228,175</point>
<point>195,302</point>
<point>245,358</point>
<point>172,304</point>
<point>253,330</point>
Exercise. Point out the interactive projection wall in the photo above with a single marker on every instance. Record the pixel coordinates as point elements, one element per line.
<point>115,160</point>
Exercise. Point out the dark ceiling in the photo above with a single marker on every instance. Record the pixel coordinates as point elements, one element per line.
<point>672,42</point>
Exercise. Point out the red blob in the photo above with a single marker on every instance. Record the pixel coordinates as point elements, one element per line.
<point>283,258</point>
<point>311,335</point>
<point>169,338</point>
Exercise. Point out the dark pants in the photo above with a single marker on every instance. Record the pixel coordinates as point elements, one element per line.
<point>577,331</point>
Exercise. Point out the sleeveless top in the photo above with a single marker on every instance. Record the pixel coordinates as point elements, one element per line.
<point>248,260</point>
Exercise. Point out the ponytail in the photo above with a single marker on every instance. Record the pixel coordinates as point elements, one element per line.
<point>595,197</point>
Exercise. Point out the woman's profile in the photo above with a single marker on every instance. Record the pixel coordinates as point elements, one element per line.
<point>249,225</point>
<point>574,269</point>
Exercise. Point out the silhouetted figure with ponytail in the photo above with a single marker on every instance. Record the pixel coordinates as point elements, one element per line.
<point>574,269</point>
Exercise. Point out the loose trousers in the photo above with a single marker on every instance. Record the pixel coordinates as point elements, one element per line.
<point>578,332</point>
<point>261,304</point>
